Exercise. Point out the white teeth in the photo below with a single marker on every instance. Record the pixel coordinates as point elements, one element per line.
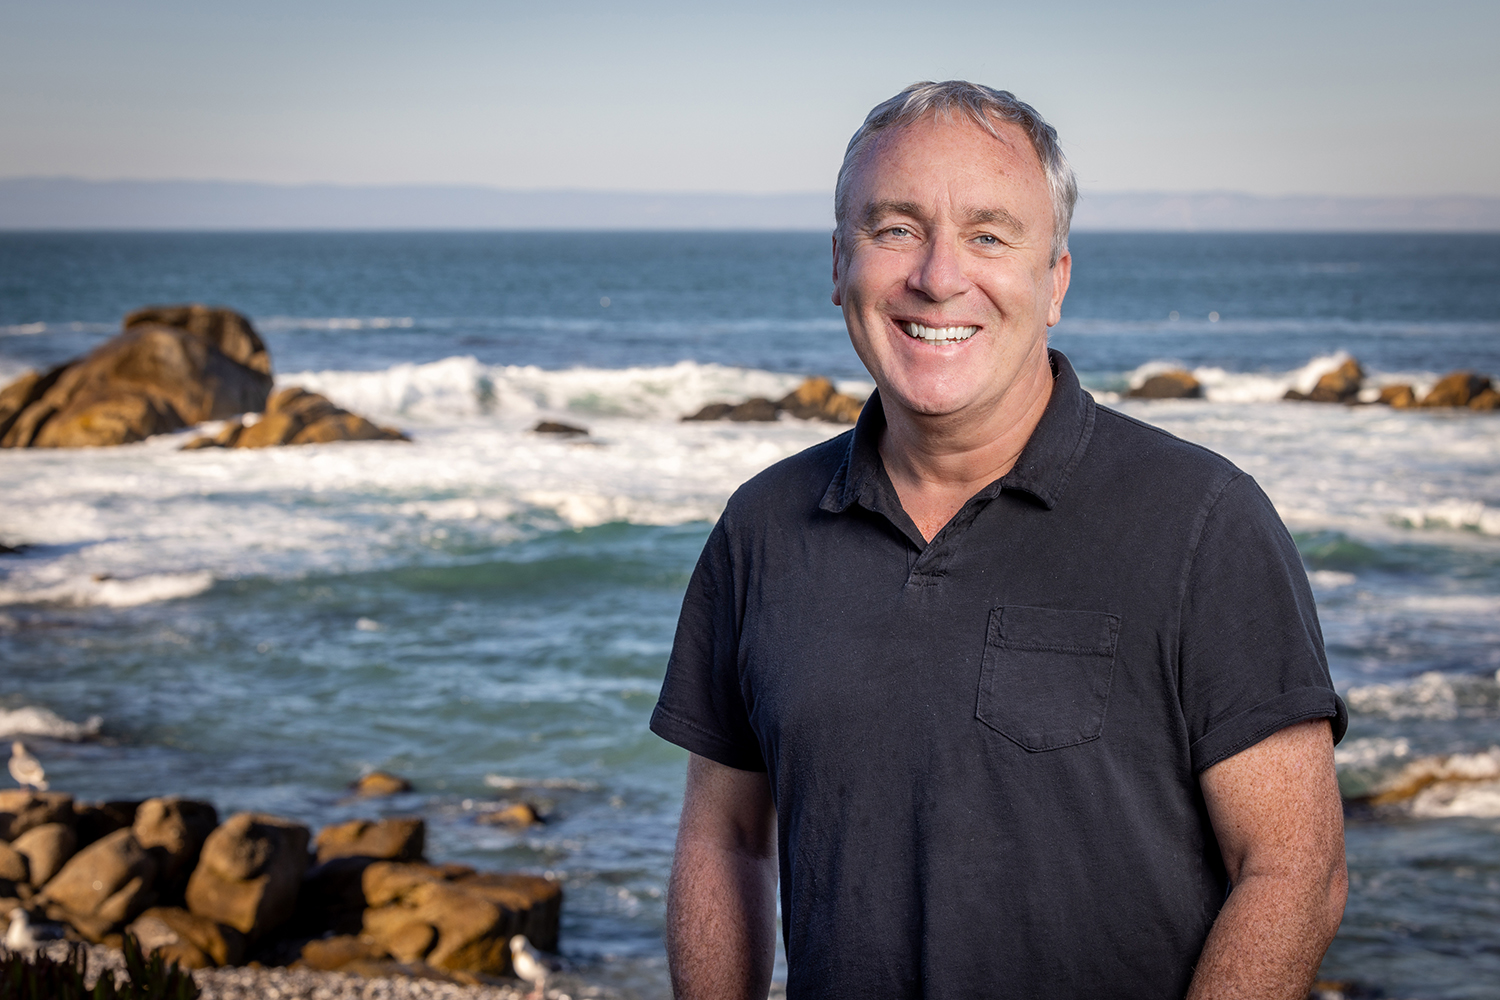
<point>939,335</point>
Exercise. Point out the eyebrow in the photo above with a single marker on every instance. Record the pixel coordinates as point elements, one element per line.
<point>877,210</point>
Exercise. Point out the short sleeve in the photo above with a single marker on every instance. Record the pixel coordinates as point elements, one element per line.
<point>702,704</point>
<point>1251,651</point>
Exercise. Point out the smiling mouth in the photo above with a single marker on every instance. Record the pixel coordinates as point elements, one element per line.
<point>939,334</point>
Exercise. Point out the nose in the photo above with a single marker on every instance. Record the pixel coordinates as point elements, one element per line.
<point>939,274</point>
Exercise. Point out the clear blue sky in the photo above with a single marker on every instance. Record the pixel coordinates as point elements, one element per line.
<point>1373,98</point>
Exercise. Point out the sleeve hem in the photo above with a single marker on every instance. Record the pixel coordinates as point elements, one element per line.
<point>696,740</point>
<point>1255,724</point>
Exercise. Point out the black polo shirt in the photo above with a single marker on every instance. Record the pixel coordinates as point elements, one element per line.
<point>984,750</point>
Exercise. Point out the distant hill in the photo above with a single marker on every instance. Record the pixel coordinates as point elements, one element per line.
<point>66,203</point>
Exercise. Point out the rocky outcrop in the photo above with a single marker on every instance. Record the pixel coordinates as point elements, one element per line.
<point>814,399</point>
<point>456,919</point>
<point>103,886</point>
<point>154,377</point>
<point>380,783</point>
<point>296,416</point>
<point>1174,384</point>
<point>397,839</point>
<point>46,849</point>
<point>1341,385</point>
<point>249,872</point>
<point>1399,396</point>
<point>1456,389</point>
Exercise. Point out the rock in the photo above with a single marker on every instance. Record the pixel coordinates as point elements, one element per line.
<point>296,416</point>
<point>22,809</point>
<point>1427,771</point>
<point>816,399</point>
<point>15,869</point>
<point>23,392</point>
<point>331,954</point>
<point>1456,389</point>
<point>456,919</point>
<point>459,922</point>
<point>757,409</point>
<point>173,829</point>
<point>517,815</point>
<point>1341,385</point>
<point>96,820</point>
<point>1487,400</point>
<point>226,329</point>
<point>249,872</point>
<point>1175,384</point>
<point>332,898</point>
<point>566,430</point>
<point>191,941</point>
<point>396,839</point>
<point>103,886</point>
<point>149,380</point>
<point>1399,396</point>
<point>712,411</point>
<point>380,783</point>
<point>47,848</point>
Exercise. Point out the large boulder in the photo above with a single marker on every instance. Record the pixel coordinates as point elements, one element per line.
<point>153,378</point>
<point>1341,385</point>
<point>173,829</point>
<point>97,820</point>
<point>456,919</point>
<point>46,848</point>
<point>15,870</point>
<point>1487,400</point>
<point>191,941</point>
<point>1456,389</point>
<point>22,809</point>
<point>1174,384</point>
<point>226,329</point>
<point>296,416</point>
<point>1400,396</point>
<point>249,872</point>
<point>103,886</point>
<point>398,839</point>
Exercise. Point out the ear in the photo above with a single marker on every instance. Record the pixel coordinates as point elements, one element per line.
<point>836,299</point>
<point>1062,273</point>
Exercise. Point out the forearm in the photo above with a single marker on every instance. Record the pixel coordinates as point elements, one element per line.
<point>721,923</point>
<point>1270,937</point>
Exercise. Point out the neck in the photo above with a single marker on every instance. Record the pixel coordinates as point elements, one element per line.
<point>937,462</point>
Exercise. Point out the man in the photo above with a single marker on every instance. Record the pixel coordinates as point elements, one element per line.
<point>1028,698</point>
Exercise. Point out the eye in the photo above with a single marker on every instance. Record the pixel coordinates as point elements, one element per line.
<point>985,239</point>
<point>898,231</point>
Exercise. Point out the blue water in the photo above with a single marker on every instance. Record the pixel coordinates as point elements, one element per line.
<point>485,604</point>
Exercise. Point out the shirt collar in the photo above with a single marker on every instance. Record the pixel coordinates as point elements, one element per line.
<point>1043,470</point>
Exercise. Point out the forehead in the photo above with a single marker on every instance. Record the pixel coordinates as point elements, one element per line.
<point>954,159</point>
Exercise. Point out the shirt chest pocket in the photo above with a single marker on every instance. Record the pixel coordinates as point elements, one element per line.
<point>1045,679</point>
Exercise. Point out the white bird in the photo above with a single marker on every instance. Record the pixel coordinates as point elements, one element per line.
<point>528,963</point>
<point>26,769</point>
<point>22,936</point>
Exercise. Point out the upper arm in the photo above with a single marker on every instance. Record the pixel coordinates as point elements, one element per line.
<point>1275,807</point>
<point>727,808</point>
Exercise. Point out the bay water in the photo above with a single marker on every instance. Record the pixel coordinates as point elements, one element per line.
<point>487,611</point>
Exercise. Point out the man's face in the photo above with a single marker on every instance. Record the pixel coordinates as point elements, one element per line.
<point>942,266</point>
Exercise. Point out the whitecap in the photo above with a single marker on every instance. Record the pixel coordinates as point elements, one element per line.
<point>1432,695</point>
<point>107,591</point>
<point>1456,514</point>
<point>32,720</point>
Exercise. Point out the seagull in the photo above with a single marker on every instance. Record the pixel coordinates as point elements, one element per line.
<point>26,769</point>
<point>528,963</point>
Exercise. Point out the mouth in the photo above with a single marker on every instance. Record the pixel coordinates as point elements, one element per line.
<point>938,334</point>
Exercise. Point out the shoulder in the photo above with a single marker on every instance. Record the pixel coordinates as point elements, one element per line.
<point>791,489</point>
<point>1132,452</point>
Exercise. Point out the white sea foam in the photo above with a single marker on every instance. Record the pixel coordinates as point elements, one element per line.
<point>1447,799</point>
<point>280,324</point>
<point>1462,515</point>
<point>110,592</point>
<point>32,720</point>
<point>1370,751</point>
<point>1431,695</point>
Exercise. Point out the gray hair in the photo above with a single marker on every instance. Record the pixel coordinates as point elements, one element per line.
<point>984,107</point>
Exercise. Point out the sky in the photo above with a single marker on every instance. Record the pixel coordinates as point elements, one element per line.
<point>1365,99</point>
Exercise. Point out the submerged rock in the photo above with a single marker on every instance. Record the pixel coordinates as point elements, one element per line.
<point>563,430</point>
<point>156,376</point>
<point>296,416</point>
<point>1174,384</point>
<point>380,783</point>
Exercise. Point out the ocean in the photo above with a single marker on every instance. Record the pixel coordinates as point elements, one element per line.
<point>487,611</point>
